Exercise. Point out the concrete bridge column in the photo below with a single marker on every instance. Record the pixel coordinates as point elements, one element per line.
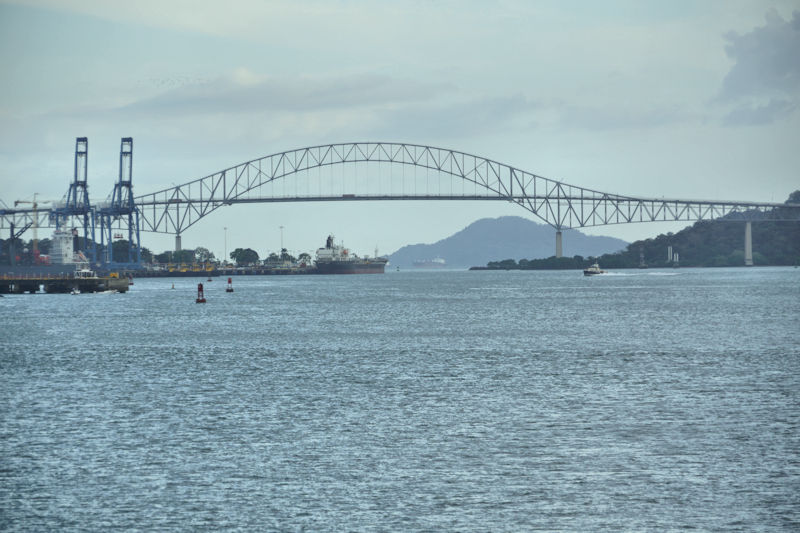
<point>178,242</point>
<point>559,249</point>
<point>748,244</point>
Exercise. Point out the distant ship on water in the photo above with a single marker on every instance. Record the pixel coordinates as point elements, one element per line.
<point>335,259</point>
<point>436,262</point>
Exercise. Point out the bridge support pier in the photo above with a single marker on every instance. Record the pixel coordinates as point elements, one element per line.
<point>559,249</point>
<point>748,244</point>
<point>178,242</point>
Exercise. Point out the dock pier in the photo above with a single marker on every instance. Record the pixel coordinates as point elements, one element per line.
<point>59,284</point>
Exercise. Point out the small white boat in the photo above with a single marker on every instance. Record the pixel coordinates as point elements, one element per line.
<point>75,290</point>
<point>593,270</point>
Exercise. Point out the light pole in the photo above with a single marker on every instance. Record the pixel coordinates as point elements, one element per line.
<point>225,253</point>
<point>281,239</point>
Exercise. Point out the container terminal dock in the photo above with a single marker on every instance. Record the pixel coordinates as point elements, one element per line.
<point>332,259</point>
<point>66,270</point>
<point>79,282</point>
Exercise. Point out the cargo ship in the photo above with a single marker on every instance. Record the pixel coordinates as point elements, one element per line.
<point>436,262</point>
<point>335,259</point>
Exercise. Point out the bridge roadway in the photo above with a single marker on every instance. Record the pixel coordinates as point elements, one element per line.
<point>556,203</point>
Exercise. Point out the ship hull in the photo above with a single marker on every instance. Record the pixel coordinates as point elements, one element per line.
<point>350,267</point>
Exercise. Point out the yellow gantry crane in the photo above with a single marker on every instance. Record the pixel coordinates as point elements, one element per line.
<point>35,205</point>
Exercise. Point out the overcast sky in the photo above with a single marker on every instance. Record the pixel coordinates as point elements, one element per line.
<point>683,99</point>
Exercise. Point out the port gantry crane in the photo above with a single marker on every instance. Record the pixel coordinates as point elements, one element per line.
<point>121,209</point>
<point>76,203</point>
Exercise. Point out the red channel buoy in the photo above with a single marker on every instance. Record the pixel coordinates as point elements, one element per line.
<point>230,285</point>
<point>201,299</point>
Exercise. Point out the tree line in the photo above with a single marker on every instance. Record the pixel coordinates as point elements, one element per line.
<point>240,256</point>
<point>24,254</point>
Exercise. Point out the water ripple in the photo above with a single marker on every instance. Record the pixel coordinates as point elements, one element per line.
<point>467,401</point>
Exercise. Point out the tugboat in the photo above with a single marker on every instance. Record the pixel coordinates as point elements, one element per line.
<point>86,280</point>
<point>593,270</point>
<point>339,260</point>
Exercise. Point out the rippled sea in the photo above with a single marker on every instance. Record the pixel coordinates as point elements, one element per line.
<point>412,401</point>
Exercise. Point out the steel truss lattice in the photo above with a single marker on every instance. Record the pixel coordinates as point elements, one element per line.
<point>556,203</point>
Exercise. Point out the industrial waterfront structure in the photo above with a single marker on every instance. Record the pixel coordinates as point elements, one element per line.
<point>395,171</point>
<point>121,209</point>
<point>80,281</point>
<point>77,204</point>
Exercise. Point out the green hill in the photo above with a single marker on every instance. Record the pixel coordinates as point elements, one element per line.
<point>508,236</point>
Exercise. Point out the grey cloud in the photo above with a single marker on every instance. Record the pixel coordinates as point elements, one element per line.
<point>230,96</point>
<point>747,115</point>
<point>766,69</point>
<point>620,117</point>
<point>767,59</point>
<point>462,119</point>
<point>512,113</point>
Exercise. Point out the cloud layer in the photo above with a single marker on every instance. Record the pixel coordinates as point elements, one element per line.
<point>764,82</point>
<point>248,92</point>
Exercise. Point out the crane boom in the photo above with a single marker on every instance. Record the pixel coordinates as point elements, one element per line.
<point>35,205</point>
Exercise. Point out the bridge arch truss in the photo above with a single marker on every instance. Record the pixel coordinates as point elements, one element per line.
<point>472,177</point>
<point>556,203</point>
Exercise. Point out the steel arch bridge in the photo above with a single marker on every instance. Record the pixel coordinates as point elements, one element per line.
<point>448,175</point>
<point>556,203</point>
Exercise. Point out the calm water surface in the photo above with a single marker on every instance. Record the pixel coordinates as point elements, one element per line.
<point>412,401</point>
